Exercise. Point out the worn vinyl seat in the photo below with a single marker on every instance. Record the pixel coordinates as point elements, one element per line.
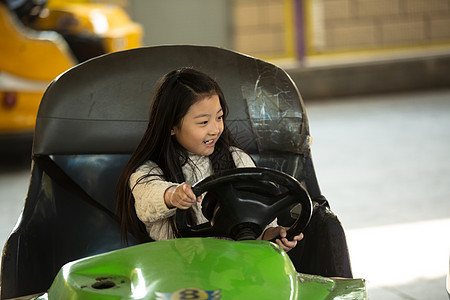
<point>93,116</point>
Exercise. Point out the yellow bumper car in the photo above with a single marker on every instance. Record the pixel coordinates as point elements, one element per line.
<point>40,40</point>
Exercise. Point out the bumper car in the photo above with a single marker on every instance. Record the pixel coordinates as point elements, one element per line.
<point>41,39</point>
<point>67,242</point>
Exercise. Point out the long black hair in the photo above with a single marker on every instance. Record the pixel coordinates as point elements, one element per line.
<point>176,93</point>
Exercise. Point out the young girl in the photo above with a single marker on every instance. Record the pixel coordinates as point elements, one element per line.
<point>185,141</point>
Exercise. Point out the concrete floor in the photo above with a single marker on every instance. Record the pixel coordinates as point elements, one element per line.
<point>382,162</point>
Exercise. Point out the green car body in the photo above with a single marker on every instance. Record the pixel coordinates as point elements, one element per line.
<point>196,268</point>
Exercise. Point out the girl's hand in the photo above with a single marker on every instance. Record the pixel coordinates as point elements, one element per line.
<point>180,196</point>
<point>284,243</point>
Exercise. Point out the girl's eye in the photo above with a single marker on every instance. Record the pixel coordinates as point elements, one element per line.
<point>220,117</point>
<point>203,123</point>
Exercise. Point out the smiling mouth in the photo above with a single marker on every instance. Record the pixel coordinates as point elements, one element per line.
<point>208,142</point>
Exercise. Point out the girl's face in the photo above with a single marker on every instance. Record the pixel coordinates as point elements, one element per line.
<point>201,127</point>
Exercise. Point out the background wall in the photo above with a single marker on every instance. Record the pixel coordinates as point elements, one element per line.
<point>183,22</point>
<point>362,24</point>
<point>264,27</point>
<point>330,48</point>
<point>295,29</point>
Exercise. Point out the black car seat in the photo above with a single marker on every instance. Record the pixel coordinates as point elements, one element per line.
<point>91,119</point>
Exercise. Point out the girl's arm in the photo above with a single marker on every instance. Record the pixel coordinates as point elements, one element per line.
<point>241,158</point>
<point>149,194</point>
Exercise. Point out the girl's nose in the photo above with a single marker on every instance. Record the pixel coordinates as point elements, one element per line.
<point>214,129</point>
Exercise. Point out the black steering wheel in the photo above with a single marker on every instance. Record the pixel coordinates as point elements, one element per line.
<point>241,202</point>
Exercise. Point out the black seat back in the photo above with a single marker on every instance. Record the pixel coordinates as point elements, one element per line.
<point>91,119</point>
